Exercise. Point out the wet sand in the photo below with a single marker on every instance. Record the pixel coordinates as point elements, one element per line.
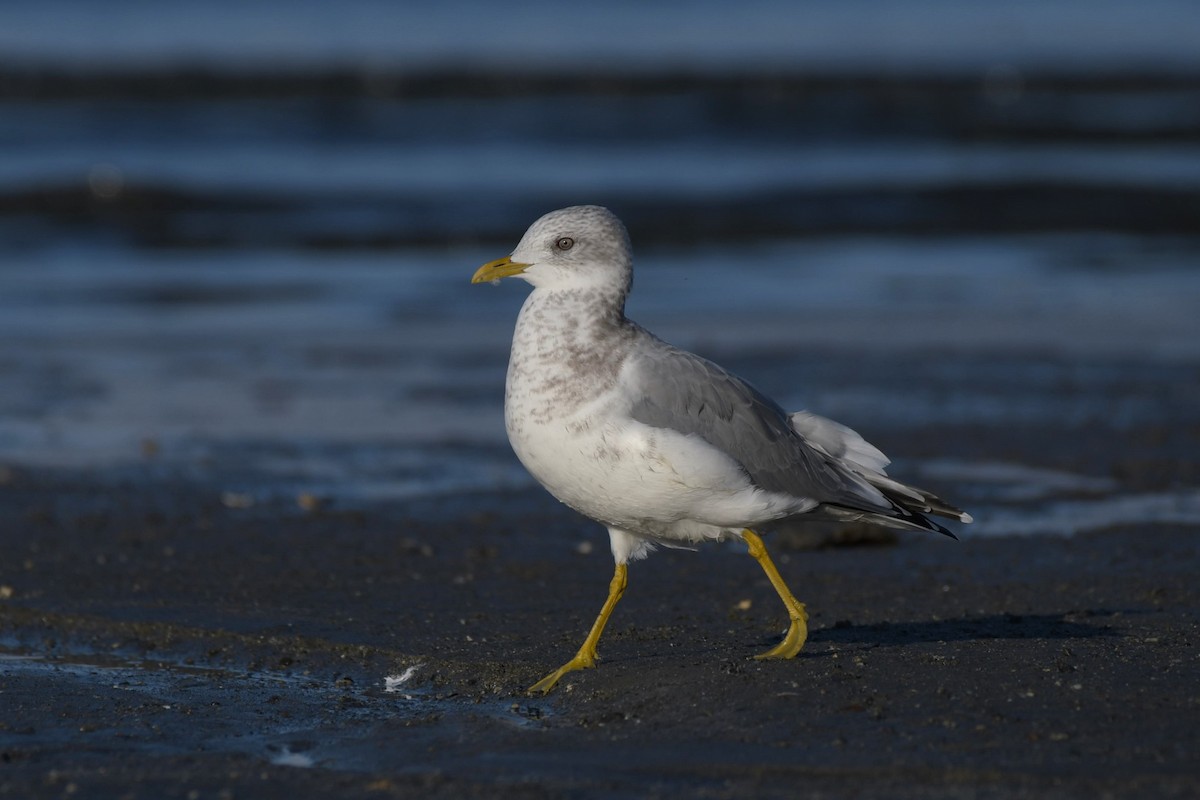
<point>159,641</point>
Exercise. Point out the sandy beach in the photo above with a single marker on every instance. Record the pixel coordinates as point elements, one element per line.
<point>158,642</point>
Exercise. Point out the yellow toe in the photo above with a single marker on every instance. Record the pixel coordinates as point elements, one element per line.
<point>793,642</point>
<point>550,681</point>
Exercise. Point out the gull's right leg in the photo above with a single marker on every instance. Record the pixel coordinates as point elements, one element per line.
<point>798,629</point>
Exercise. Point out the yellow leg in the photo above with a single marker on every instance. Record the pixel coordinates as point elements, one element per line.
<point>586,657</point>
<point>798,629</point>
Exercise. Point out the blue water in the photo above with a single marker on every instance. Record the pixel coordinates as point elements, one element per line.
<point>856,34</point>
<point>242,233</point>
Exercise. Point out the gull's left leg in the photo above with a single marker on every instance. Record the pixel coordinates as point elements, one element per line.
<point>798,629</point>
<point>586,657</point>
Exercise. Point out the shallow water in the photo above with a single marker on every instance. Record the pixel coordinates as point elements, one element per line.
<point>927,33</point>
<point>283,718</point>
<point>247,255</point>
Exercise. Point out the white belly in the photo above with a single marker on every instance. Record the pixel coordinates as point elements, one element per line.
<point>646,481</point>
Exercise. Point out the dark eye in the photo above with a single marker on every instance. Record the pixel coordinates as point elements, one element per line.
<point>565,243</point>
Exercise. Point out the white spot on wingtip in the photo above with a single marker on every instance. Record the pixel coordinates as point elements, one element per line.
<point>965,517</point>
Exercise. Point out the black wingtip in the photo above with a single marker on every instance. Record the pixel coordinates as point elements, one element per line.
<point>933,526</point>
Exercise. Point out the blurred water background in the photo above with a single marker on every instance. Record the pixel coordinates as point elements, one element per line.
<point>236,237</point>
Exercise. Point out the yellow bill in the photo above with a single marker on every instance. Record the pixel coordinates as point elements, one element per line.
<point>500,268</point>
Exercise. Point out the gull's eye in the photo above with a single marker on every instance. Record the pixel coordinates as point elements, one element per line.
<point>565,243</point>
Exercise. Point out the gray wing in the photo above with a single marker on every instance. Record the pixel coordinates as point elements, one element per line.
<point>683,392</point>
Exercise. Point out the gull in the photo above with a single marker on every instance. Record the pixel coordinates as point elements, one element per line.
<point>657,444</point>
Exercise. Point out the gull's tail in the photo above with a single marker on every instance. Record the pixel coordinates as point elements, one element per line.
<point>909,504</point>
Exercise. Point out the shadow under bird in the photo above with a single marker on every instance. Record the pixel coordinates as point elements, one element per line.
<point>657,444</point>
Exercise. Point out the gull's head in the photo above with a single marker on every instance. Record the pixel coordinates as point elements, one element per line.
<point>576,247</point>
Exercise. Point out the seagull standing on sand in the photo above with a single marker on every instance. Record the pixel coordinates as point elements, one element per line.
<point>661,446</point>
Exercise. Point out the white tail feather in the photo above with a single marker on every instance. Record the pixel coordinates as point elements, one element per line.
<point>868,462</point>
<point>844,444</point>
